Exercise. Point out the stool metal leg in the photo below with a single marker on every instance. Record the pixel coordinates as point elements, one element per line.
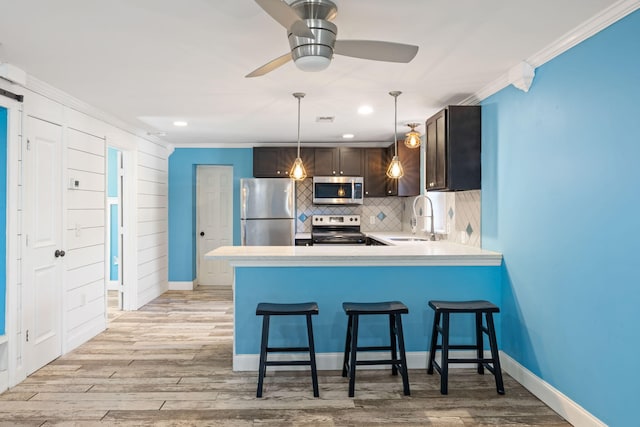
<point>403,357</point>
<point>444,361</point>
<point>312,357</point>
<point>264,343</point>
<point>352,361</point>
<point>479,342</point>
<point>392,342</point>
<point>347,347</point>
<point>494,353</point>
<point>434,342</point>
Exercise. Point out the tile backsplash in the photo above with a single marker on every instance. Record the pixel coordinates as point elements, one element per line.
<point>377,213</point>
<point>457,216</point>
<point>462,212</point>
<point>457,213</point>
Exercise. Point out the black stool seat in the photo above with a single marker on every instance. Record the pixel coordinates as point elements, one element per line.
<point>374,307</point>
<point>443,310</point>
<point>464,306</point>
<point>285,309</point>
<point>398,360</point>
<point>267,310</point>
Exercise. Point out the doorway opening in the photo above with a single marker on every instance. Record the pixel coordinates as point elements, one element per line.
<point>115,234</point>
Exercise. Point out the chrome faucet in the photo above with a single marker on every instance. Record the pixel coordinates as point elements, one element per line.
<point>414,220</point>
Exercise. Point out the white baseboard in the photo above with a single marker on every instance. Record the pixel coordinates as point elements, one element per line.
<point>182,286</point>
<point>565,407</point>
<point>4,363</point>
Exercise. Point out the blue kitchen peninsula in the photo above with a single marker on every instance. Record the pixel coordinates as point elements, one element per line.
<point>331,275</point>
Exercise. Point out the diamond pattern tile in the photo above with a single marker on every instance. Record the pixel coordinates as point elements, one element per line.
<point>463,208</point>
<point>387,212</point>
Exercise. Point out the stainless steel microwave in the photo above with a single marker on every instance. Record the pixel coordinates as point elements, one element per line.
<point>338,190</point>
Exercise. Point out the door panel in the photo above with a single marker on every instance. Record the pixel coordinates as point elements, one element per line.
<point>43,217</point>
<point>214,222</point>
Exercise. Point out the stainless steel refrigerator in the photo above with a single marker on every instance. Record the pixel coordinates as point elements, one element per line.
<point>267,211</point>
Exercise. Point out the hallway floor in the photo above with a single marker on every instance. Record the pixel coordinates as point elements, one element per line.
<point>169,364</point>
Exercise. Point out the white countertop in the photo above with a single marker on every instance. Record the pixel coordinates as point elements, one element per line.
<point>402,253</point>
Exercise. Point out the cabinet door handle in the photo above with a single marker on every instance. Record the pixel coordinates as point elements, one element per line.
<point>202,233</point>
<point>58,253</point>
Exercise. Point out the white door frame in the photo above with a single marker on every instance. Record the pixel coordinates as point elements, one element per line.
<point>15,347</point>
<point>128,262</point>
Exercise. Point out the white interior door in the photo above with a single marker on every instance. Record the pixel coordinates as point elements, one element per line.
<point>43,260</point>
<point>214,222</point>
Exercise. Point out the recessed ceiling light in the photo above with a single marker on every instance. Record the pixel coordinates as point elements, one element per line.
<point>365,109</point>
<point>348,136</point>
<point>180,123</point>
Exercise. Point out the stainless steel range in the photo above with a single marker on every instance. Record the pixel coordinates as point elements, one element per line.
<point>336,230</point>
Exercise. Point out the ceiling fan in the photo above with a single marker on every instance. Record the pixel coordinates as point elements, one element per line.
<point>312,38</point>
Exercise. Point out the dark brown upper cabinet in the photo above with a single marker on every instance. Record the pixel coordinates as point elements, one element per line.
<point>409,184</point>
<point>342,161</point>
<point>453,144</point>
<point>275,162</point>
<point>376,183</point>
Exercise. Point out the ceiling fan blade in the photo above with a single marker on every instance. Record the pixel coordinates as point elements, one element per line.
<point>286,16</point>
<point>270,66</point>
<point>376,50</point>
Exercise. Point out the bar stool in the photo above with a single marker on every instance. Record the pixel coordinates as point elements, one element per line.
<point>394,309</point>
<point>271,309</point>
<point>442,310</point>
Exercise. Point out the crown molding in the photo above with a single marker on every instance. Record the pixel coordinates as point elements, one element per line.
<point>572,38</point>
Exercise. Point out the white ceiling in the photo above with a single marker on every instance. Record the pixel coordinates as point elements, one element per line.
<point>151,62</point>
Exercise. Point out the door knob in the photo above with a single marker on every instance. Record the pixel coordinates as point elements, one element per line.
<point>202,233</point>
<point>59,253</point>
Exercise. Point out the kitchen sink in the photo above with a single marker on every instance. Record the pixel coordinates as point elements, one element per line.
<point>409,239</point>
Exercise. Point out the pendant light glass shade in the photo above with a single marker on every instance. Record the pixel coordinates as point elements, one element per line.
<point>412,139</point>
<point>298,172</point>
<point>395,169</point>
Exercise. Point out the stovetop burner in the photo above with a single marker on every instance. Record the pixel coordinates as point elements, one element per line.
<point>337,230</point>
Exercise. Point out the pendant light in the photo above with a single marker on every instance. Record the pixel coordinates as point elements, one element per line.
<point>297,172</point>
<point>395,169</point>
<point>412,139</point>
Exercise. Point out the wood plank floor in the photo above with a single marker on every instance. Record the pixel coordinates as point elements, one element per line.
<point>169,364</point>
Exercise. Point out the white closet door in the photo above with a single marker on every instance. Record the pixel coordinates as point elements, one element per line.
<point>44,254</point>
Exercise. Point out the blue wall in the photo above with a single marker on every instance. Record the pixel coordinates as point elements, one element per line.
<point>182,198</point>
<point>3,217</point>
<point>560,199</point>
<point>331,286</point>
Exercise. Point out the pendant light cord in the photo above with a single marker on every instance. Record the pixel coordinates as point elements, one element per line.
<point>298,126</point>
<point>395,125</point>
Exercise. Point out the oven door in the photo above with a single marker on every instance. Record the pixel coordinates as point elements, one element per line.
<point>337,238</point>
<point>338,190</point>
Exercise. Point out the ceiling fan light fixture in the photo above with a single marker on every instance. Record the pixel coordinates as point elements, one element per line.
<point>412,139</point>
<point>297,171</point>
<point>312,63</point>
